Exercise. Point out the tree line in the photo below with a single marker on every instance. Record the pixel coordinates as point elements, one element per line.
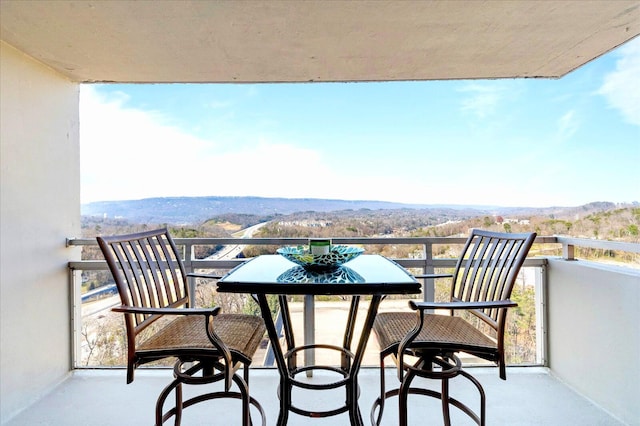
<point>103,337</point>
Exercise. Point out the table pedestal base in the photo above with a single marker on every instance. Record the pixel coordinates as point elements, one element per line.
<point>350,364</point>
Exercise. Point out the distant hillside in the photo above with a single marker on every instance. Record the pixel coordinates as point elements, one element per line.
<point>193,210</point>
<point>177,210</point>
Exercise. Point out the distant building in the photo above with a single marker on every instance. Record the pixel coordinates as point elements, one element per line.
<point>500,220</point>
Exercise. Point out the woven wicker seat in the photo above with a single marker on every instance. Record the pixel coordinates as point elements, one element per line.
<point>447,332</point>
<point>481,286</point>
<point>209,346</point>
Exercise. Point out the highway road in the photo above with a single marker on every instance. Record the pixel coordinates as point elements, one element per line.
<point>231,252</point>
<point>94,307</point>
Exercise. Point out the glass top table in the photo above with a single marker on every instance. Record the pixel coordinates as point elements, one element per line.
<point>273,274</point>
<point>371,275</point>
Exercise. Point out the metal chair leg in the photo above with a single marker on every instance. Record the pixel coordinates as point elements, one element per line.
<point>424,369</point>
<point>444,399</point>
<point>375,420</point>
<point>481,420</point>
<point>403,398</point>
<point>175,384</point>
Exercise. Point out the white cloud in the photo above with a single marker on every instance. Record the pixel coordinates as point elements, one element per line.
<point>622,86</point>
<point>216,104</point>
<point>567,125</point>
<point>482,103</point>
<point>128,153</point>
<point>483,100</point>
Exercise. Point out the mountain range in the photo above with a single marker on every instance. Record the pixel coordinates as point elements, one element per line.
<point>185,210</point>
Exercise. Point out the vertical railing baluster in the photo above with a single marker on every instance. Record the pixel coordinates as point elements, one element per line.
<point>429,287</point>
<point>309,320</point>
<point>75,303</point>
<point>541,315</point>
<point>568,251</point>
<point>188,255</point>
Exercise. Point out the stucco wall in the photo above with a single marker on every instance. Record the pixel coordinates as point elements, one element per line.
<point>39,207</point>
<point>594,333</point>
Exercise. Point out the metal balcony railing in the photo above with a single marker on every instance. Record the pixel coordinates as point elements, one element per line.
<point>422,261</point>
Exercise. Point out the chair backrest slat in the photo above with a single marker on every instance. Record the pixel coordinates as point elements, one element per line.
<point>161,283</point>
<point>131,294</point>
<point>158,284</point>
<point>145,272</point>
<point>174,269</point>
<point>503,259</point>
<point>487,269</point>
<point>484,272</point>
<point>493,265</point>
<point>500,264</point>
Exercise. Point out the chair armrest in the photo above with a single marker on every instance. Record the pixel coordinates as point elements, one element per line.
<point>167,311</point>
<point>209,276</point>
<point>434,276</point>
<point>462,305</point>
<point>421,307</point>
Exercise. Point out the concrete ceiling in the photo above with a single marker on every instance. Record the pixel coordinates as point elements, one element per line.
<point>296,41</point>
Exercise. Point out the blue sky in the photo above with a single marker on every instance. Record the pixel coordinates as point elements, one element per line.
<point>531,142</point>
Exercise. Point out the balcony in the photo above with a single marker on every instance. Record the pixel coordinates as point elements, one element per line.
<point>585,369</point>
<point>49,48</point>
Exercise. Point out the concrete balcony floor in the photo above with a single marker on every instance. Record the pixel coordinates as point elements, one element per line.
<point>529,396</point>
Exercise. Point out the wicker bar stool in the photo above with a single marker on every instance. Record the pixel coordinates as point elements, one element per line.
<point>209,346</point>
<point>481,286</point>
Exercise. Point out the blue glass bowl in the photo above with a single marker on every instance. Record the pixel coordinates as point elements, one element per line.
<point>337,256</point>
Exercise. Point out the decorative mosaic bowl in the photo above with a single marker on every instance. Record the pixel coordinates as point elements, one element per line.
<point>338,255</point>
<point>302,275</point>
